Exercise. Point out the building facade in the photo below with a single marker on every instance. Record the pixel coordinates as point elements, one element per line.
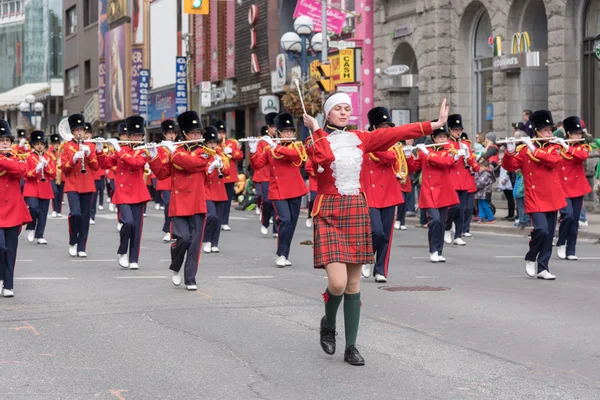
<point>491,59</point>
<point>80,58</point>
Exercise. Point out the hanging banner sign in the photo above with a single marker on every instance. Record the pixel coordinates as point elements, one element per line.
<point>181,102</point>
<point>143,89</point>
<point>312,9</point>
<point>137,59</point>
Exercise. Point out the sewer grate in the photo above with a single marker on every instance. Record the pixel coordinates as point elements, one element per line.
<point>414,246</point>
<point>414,288</point>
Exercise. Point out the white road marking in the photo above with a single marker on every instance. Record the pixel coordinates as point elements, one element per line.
<point>420,258</point>
<point>246,277</point>
<point>32,278</point>
<point>143,277</point>
<point>588,258</point>
<point>24,260</point>
<point>88,260</point>
<point>239,218</point>
<point>106,216</point>
<point>509,256</point>
<point>426,277</point>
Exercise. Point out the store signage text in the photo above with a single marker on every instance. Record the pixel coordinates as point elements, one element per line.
<point>401,31</point>
<point>520,42</point>
<point>181,102</point>
<point>252,19</point>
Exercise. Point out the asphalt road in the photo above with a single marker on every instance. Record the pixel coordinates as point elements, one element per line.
<point>478,328</point>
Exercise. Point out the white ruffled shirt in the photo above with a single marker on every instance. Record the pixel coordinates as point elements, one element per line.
<point>348,161</point>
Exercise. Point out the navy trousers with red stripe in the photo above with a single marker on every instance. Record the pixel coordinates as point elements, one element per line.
<point>287,214</point>
<point>382,225</point>
<point>132,218</point>
<point>80,205</point>
<point>188,234</point>
<point>9,241</point>
<point>437,222</point>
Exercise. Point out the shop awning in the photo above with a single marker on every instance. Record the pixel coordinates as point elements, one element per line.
<point>40,90</point>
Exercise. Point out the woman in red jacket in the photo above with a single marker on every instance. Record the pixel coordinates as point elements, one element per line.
<point>575,185</point>
<point>13,210</point>
<point>342,234</point>
<point>437,190</point>
<point>38,192</point>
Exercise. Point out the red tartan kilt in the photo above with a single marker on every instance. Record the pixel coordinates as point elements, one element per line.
<point>342,230</point>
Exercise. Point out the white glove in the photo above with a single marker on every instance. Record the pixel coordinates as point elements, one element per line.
<point>269,141</point>
<point>78,156</point>
<point>423,149</point>
<point>510,145</point>
<point>213,165</point>
<point>562,142</point>
<point>407,152</point>
<point>43,161</point>
<point>227,150</point>
<point>114,144</point>
<point>23,143</point>
<point>527,141</point>
<point>220,161</point>
<point>169,145</point>
<point>152,150</point>
<point>460,153</point>
<point>253,145</point>
<point>39,167</point>
<point>99,147</point>
<point>85,149</point>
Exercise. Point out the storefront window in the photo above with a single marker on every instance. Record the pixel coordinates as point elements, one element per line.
<point>591,70</point>
<point>483,79</point>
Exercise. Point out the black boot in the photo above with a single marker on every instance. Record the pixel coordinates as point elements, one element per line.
<point>327,338</point>
<point>353,357</point>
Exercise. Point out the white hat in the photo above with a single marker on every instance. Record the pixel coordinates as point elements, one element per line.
<point>334,100</point>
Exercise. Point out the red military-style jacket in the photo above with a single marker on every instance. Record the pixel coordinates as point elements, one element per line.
<point>284,162</point>
<point>13,210</point>
<point>34,187</point>
<point>215,186</point>
<point>262,174</point>
<point>130,187</point>
<point>75,181</point>
<point>378,179</point>
<point>187,169</point>
<point>235,156</point>
<point>572,171</point>
<point>437,186</point>
<point>541,177</point>
<point>312,176</point>
<point>461,172</point>
<point>165,155</point>
<point>320,152</point>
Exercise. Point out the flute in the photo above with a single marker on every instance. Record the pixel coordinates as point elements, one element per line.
<point>118,141</point>
<point>411,148</point>
<point>145,146</point>
<point>252,138</point>
<point>507,140</point>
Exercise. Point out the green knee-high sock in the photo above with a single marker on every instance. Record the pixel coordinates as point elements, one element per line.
<point>332,303</point>
<point>351,317</point>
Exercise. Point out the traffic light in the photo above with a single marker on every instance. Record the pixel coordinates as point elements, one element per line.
<point>325,83</point>
<point>196,6</point>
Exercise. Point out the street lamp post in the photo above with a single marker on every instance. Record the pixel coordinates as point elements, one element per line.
<point>297,44</point>
<point>30,106</point>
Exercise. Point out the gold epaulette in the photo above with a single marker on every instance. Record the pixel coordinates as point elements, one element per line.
<point>519,147</point>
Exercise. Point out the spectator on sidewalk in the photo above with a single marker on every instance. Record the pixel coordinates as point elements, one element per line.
<point>485,179</point>
<point>519,194</point>
<point>505,185</point>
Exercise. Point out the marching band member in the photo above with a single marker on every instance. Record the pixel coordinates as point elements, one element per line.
<point>286,185</point>
<point>462,179</point>
<point>98,198</point>
<point>406,189</point>
<point>41,171</point>
<point>78,166</point>
<point>111,175</point>
<point>163,186</point>
<point>13,210</point>
<point>131,194</point>
<point>261,180</point>
<point>233,151</point>
<point>216,194</point>
<point>312,188</point>
<point>342,242</point>
<point>574,184</point>
<point>470,204</point>
<point>382,190</point>
<point>58,185</point>
<point>21,148</point>
<point>438,192</point>
<point>544,196</point>
<point>187,169</point>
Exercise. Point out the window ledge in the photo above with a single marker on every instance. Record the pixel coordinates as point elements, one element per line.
<point>72,35</point>
<point>90,26</point>
<point>71,96</point>
<point>90,90</point>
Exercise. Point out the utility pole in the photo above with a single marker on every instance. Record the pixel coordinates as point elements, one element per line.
<point>325,51</point>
